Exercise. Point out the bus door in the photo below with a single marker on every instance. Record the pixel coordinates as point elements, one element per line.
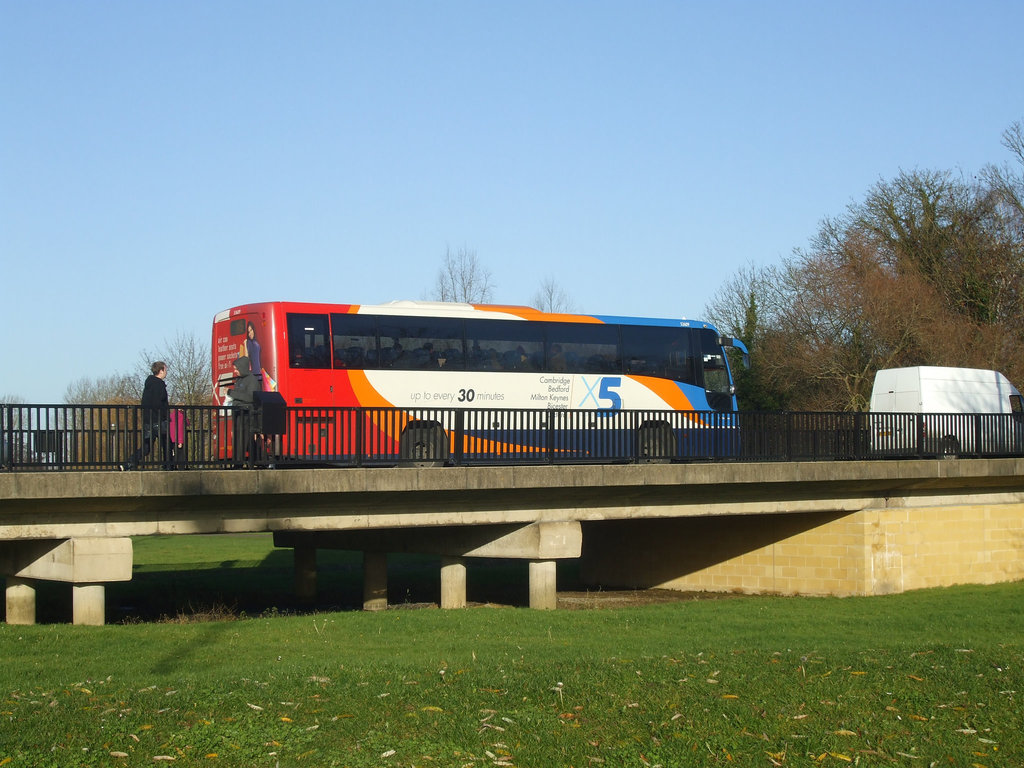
<point>717,381</point>
<point>311,392</point>
<point>309,360</point>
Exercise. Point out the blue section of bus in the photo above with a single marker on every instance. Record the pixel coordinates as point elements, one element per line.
<point>601,391</point>
<point>574,444</point>
<point>696,395</point>
<point>655,321</point>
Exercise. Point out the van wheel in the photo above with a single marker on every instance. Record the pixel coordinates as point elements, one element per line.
<point>423,444</point>
<point>950,447</point>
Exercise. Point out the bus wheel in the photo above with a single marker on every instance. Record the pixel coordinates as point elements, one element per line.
<point>950,447</point>
<point>655,442</point>
<point>423,444</point>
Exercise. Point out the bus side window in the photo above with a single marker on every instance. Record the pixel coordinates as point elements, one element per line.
<point>420,344</point>
<point>308,341</point>
<point>504,345</point>
<point>355,340</point>
<point>658,351</point>
<point>584,347</point>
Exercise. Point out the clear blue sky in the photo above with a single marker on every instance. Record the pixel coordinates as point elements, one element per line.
<point>163,161</point>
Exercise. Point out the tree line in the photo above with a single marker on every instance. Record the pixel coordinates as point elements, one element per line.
<point>927,269</point>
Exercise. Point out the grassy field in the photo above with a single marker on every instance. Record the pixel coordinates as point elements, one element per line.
<point>926,678</point>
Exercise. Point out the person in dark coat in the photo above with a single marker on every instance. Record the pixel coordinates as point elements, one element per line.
<point>155,409</point>
<point>242,398</point>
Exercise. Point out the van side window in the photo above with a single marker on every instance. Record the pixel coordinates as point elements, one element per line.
<point>1017,407</point>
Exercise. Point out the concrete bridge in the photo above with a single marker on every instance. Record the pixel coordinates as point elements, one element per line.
<point>842,528</point>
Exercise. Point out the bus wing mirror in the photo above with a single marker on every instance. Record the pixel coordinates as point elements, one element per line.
<point>729,341</point>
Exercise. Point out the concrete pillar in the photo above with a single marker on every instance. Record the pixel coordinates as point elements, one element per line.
<point>543,592</point>
<point>21,601</point>
<point>375,581</point>
<point>88,604</point>
<point>453,582</point>
<point>305,573</point>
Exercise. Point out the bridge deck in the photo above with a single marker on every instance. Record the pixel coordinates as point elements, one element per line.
<point>852,527</point>
<point>97,504</point>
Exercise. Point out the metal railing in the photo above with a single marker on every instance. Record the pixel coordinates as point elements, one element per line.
<point>78,437</point>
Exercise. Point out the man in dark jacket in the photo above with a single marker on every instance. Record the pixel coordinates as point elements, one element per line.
<point>242,398</point>
<point>155,408</point>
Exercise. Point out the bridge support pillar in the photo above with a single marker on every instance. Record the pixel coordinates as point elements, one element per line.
<point>305,574</point>
<point>453,582</point>
<point>21,601</point>
<point>543,590</point>
<point>88,604</point>
<point>87,563</point>
<point>375,581</point>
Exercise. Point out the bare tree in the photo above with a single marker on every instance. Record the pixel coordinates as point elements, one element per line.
<point>746,307</point>
<point>463,278</point>
<point>1007,182</point>
<point>551,297</point>
<point>189,377</point>
<point>746,291</point>
<point>840,317</point>
<point>116,389</point>
<point>189,369</point>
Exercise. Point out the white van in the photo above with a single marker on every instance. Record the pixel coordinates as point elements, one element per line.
<point>945,411</point>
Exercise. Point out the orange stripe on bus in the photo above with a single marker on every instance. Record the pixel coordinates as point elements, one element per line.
<point>667,390</point>
<point>529,313</point>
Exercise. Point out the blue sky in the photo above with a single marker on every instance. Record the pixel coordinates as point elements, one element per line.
<point>160,162</point>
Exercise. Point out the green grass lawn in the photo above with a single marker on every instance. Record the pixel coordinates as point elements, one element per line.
<point>927,678</point>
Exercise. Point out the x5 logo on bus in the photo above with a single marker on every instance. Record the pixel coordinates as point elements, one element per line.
<point>605,387</point>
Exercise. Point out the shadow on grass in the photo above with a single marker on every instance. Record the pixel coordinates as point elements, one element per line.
<point>235,589</point>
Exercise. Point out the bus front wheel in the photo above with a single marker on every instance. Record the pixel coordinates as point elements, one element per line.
<point>655,442</point>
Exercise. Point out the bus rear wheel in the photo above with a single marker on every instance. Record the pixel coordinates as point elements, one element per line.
<point>423,444</point>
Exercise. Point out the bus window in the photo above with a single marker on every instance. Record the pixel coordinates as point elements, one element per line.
<point>584,347</point>
<point>355,341</point>
<point>650,350</point>
<point>308,341</point>
<point>504,345</point>
<point>421,343</point>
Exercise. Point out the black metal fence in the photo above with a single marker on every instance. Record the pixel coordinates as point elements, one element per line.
<point>55,437</point>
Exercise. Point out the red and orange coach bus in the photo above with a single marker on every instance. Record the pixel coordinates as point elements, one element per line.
<point>404,357</point>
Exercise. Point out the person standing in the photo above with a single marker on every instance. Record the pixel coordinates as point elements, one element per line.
<point>242,398</point>
<point>155,408</point>
<point>178,436</point>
